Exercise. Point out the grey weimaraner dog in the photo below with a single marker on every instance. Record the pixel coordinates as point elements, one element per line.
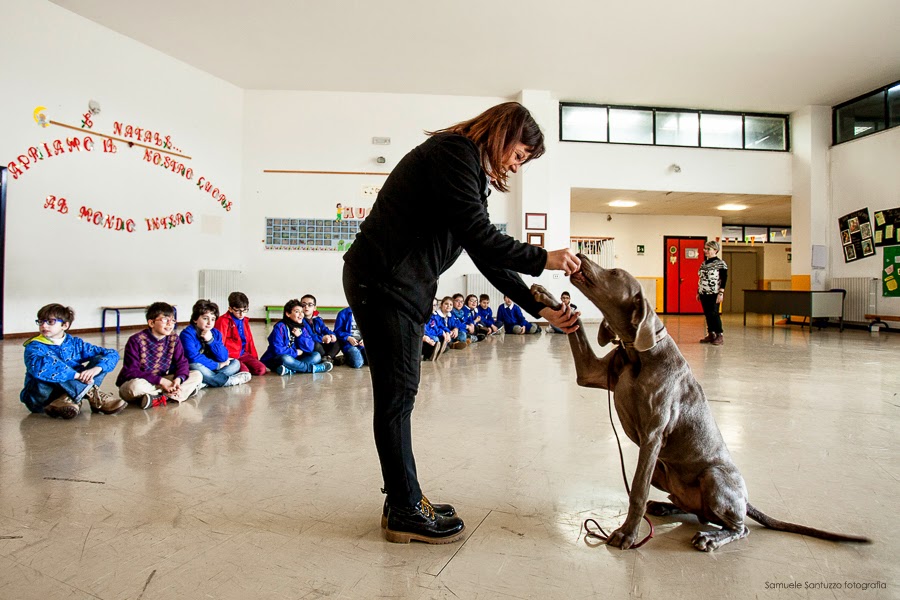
<point>664,411</point>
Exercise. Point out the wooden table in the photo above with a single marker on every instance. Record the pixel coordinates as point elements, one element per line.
<point>812,304</point>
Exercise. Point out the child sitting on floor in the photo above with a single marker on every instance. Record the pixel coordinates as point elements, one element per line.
<point>486,315</point>
<point>511,319</point>
<point>350,339</point>
<point>205,351</point>
<point>154,368</point>
<point>61,370</point>
<point>237,336</point>
<point>291,348</point>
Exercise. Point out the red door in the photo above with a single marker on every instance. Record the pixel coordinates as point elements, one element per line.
<point>684,255</point>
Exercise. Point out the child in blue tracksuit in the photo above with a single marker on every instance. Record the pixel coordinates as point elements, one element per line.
<point>350,339</point>
<point>326,343</point>
<point>510,317</point>
<point>205,349</point>
<point>486,315</point>
<point>61,370</point>
<point>434,340</point>
<point>452,325</point>
<point>466,320</point>
<point>291,348</point>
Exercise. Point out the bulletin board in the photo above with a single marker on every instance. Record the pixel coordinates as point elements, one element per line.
<point>856,235</point>
<point>890,278</point>
<point>887,227</point>
<point>316,235</point>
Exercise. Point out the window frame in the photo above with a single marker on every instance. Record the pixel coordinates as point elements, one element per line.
<point>699,112</point>
<point>885,113</point>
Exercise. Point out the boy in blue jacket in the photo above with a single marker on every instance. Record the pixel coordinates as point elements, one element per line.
<point>452,325</point>
<point>511,319</point>
<point>206,351</point>
<point>466,319</point>
<point>326,343</point>
<point>350,339</point>
<point>486,315</point>
<point>61,370</point>
<point>435,340</point>
<point>291,348</point>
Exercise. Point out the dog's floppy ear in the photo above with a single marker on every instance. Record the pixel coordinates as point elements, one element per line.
<point>606,334</point>
<point>644,336</point>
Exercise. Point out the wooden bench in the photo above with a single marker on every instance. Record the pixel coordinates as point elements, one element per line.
<point>878,321</point>
<point>279,310</point>
<point>117,310</point>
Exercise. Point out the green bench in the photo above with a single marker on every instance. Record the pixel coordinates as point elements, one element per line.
<point>278,309</point>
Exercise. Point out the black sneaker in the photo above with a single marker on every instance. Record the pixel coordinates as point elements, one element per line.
<point>443,510</point>
<point>422,524</point>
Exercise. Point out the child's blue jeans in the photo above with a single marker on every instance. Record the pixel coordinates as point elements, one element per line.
<point>355,356</point>
<point>37,394</point>
<point>302,364</point>
<point>218,377</point>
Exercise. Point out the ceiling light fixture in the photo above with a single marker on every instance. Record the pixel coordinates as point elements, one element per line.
<point>623,203</point>
<point>732,207</point>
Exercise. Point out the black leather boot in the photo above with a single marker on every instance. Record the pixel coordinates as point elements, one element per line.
<point>444,510</point>
<point>423,524</point>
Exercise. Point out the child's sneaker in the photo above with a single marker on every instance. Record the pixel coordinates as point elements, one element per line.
<point>62,407</point>
<point>322,367</point>
<point>282,371</point>
<point>237,379</point>
<point>147,401</point>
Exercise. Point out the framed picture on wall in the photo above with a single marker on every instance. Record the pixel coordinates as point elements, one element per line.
<point>536,239</point>
<point>536,221</point>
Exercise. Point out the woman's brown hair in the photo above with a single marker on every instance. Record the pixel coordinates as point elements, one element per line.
<point>495,132</point>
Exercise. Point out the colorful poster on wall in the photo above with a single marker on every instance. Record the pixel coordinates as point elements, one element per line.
<point>887,227</point>
<point>890,278</point>
<point>856,235</point>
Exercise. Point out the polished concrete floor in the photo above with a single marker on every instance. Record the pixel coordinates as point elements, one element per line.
<point>271,489</point>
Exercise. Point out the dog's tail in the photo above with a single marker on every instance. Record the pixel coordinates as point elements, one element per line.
<point>767,521</point>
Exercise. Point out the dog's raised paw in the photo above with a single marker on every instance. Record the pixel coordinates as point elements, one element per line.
<point>543,295</point>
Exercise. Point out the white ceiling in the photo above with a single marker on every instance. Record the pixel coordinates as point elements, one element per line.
<point>766,56</point>
<point>761,209</point>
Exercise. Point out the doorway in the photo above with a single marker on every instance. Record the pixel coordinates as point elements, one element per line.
<point>743,274</point>
<point>683,256</point>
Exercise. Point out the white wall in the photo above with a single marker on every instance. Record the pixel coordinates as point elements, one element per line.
<point>864,174</point>
<point>59,60</point>
<point>326,131</point>
<point>630,231</point>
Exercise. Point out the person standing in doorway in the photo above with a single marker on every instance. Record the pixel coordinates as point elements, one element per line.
<point>432,206</point>
<point>713,275</point>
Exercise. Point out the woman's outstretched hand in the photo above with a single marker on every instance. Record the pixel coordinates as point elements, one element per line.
<point>563,260</point>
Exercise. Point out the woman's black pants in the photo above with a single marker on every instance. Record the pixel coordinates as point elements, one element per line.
<point>394,349</point>
<point>711,311</point>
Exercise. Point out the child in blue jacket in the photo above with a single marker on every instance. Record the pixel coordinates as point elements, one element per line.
<point>466,320</point>
<point>206,351</point>
<point>486,315</point>
<point>350,339</point>
<point>325,340</point>
<point>435,339</point>
<point>291,348</point>
<point>452,325</point>
<point>61,370</point>
<point>511,319</point>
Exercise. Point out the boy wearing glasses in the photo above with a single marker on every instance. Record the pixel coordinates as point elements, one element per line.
<point>61,370</point>
<point>325,340</point>
<point>235,328</point>
<point>155,368</point>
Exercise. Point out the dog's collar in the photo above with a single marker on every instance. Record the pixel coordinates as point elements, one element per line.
<point>657,338</point>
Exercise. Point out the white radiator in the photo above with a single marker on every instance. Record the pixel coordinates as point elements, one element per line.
<point>862,296</point>
<point>215,285</point>
<point>477,284</point>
